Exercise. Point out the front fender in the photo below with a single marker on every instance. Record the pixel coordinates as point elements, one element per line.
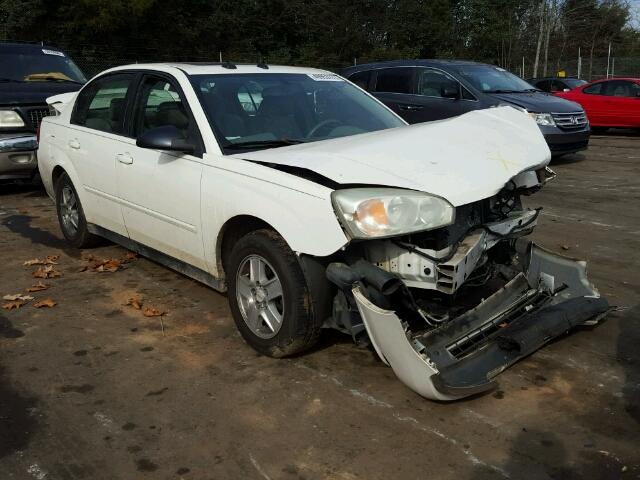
<point>299,210</point>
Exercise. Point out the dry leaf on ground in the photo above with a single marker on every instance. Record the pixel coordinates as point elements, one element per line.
<point>38,287</point>
<point>46,272</point>
<point>110,265</point>
<point>153,312</point>
<point>45,302</point>
<point>130,256</point>
<point>13,304</point>
<point>18,296</point>
<point>48,260</point>
<point>135,302</point>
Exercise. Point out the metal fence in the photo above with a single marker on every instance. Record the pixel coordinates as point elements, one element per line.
<point>586,68</point>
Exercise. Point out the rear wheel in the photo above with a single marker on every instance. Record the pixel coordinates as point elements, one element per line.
<point>70,214</point>
<point>269,297</point>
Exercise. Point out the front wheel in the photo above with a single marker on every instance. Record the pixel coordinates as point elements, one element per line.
<point>70,214</point>
<point>269,297</point>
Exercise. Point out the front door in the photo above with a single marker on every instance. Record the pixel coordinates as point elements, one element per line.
<point>160,190</point>
<point>96,135</point>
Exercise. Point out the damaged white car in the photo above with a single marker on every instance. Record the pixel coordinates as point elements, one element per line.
<point>315,206</point>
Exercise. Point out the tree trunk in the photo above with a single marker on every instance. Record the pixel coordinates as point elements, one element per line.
<point>536,62</point>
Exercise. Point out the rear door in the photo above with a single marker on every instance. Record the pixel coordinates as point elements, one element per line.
<point>96,135</point>
<point>622,100</point>
<point>395,88</point>
<point>160,190</point>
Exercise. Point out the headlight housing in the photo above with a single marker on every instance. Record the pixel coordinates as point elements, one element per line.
<point>10,119</point>
<point>544,119</point>
<point>384,212</point>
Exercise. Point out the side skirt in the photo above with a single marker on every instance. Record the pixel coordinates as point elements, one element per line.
<point>161,258</point>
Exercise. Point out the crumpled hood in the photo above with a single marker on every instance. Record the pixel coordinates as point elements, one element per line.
<point>463,159</point>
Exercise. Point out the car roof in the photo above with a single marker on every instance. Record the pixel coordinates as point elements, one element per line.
<point>196,68</point>
<point>631,79</point>
<point>17,47</point>
<point>411,63</point>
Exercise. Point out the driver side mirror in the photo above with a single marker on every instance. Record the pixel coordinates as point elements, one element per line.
<point>166,137</point>
<point>450,91</point>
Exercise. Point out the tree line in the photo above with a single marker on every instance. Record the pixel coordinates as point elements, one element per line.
<point>331,33</point>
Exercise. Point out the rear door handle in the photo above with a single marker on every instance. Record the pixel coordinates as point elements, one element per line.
<point>410,108</point>
<point>124,158</point>
<point>75,144</point>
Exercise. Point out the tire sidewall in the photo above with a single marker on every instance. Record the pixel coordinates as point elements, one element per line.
<point>80,236</point>
<point>297,318</point>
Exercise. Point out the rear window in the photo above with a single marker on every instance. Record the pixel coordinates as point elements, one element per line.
<point>43,65</point>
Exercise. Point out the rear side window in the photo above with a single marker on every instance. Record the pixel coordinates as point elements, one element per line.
<point>621,88</point>
<point>361,79</point>
<point>394,80</point>
<point>101,105</point>
<point>595,89</point>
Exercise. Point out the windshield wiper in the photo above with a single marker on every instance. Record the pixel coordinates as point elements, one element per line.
<point>503,91</point>
<point>57,79</point>
<point>263,144</point>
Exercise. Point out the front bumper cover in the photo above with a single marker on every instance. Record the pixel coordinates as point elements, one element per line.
<point>18,156</point>
<point>547,299</point>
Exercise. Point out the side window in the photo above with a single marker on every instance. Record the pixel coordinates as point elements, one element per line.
<point>544,85</point>
<point>159,104</point>
<point>620,88</point>
<point>361,79</point>
<point>433,83</point>
<point>558,86</point>
<point>101,105</point>
<point>394,80</point>
<point>595,89</point>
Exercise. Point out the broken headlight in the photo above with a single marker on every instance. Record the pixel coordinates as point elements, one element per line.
<point>383,212</point>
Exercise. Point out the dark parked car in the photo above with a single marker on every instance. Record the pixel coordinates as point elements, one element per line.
<point>426,90</point>
<point>29,74</point>
<point>555,84</point>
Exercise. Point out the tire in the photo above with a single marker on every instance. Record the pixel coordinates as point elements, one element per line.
<point>77,235</point>
<point>249,293</point>
<point>599,130</point>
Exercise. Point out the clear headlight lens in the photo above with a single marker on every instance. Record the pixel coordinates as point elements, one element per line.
<point>545,119</point>
<point>9,119</point>
<point>382,212</point>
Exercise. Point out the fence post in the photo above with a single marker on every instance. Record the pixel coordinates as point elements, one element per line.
<point>608,59</point>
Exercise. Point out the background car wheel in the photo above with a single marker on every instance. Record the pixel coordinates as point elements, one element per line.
<point>70,214</point>
<point>269,297</point>
<point>599,130</point>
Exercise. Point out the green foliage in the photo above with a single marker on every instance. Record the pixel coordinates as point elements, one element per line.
<point>327,33</point>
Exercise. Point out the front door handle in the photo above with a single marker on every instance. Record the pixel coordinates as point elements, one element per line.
<point>124,158</point>
<point>75,144</point>
<point>410,108</point>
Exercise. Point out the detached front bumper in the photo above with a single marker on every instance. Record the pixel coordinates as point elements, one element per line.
<point>462,357</point>
<point>18,156</point>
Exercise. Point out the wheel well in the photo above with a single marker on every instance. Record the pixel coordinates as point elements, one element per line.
<point>56,174</point>
<point>232,231</point>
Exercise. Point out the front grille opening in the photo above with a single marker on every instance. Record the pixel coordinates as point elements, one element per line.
<point>36,115</point>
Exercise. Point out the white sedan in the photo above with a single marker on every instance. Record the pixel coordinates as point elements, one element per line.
<point>316,206</point>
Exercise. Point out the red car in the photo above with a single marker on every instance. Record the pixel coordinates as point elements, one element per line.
<point>609,103</point>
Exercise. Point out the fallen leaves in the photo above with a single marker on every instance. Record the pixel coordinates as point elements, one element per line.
<point>135,302</point>
<point>10,305</point>
<point>18,296</point>
<point>38,287</point>
<point>45,302</point>
<point>48,260</point>
<point>48,271</point>
<point>98,264</point>
<point>153,312</point>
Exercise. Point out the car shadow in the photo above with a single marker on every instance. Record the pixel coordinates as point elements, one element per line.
<point>13,188</point>
<point>568,159</point>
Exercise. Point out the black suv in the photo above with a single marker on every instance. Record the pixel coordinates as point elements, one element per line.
<point>559,84</point>
<point>29,74</point>
<point>426,90</point>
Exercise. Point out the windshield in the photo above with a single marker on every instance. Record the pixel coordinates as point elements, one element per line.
<point>266,110</point>
<point>490,79</point>
<point>48,66</point>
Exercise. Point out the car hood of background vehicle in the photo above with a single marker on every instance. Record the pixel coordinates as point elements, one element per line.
<point>30,93</point>
<point>538,102</point>
<point>463,159</point>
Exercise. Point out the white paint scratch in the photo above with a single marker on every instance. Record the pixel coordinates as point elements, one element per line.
<point>369,398</point>
<point>257,466</point>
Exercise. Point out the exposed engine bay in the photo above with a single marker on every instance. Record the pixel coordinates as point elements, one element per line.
<point>451,308</point>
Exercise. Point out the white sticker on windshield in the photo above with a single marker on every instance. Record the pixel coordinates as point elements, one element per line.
<point>52,52</point>
<point>500,69</point>
<point>325,77</point>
